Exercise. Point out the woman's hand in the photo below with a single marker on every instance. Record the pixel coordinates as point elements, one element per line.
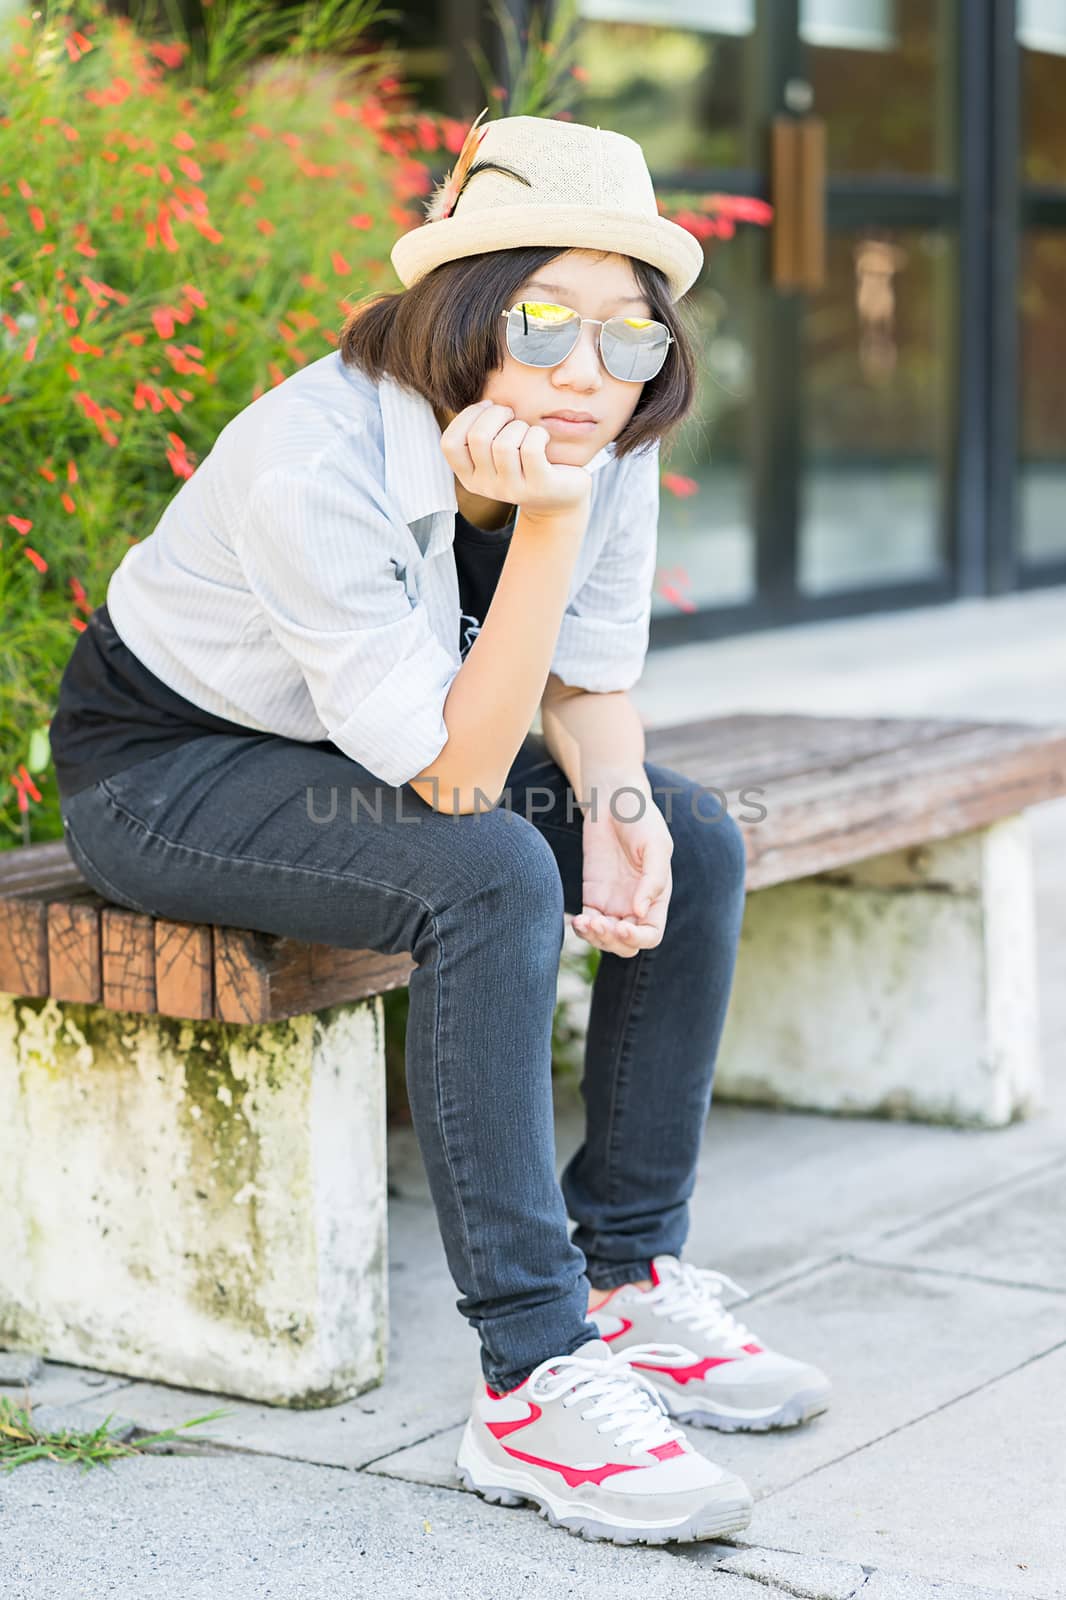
<point>626,882</point>
<point>494,454</point>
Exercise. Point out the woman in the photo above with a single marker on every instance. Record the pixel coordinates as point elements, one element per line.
<point>382,568</point>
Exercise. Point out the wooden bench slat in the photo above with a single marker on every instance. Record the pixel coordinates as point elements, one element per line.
<point>184,969</point>
<point>261,977</point>
<point>242,962</point>
<point>73,935</point>
<point>881,795</point>
<point>824,748</point>
<point>24,936</point>
<point>23,948</point>
<point>357,974</point>
<point>127,948</point>
<point>29,863</point>
<point>786,745</point>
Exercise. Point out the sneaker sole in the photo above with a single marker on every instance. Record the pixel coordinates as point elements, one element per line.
<point>729,1512</point>
<point>799,1408</point>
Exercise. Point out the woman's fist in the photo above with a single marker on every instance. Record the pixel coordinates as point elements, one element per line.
<point>496,455</point>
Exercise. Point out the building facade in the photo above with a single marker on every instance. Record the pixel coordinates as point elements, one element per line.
<point>882,417</point>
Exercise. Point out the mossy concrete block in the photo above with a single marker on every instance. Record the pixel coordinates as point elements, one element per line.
<point>197,1202</point>
<point>904,985</point>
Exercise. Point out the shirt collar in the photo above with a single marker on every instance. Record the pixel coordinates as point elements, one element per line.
<point>417,477</point>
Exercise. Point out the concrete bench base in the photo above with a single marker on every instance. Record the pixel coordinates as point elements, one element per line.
<point>197,1202</point>
<point>904,985</point>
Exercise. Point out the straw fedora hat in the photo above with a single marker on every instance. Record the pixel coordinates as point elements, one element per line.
<point>539,181</point>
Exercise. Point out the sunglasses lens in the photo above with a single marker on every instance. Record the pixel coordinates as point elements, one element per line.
<point>541,334</point>
<point>634,348</point>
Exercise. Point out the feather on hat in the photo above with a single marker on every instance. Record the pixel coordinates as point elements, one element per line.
<point>446,195</point>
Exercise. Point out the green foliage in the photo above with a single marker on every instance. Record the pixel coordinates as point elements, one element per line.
<point>540,69</point>
<point>22,1441</point>
<point>166,255</point>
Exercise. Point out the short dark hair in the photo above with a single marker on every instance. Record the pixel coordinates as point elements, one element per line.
<point>444,335</point>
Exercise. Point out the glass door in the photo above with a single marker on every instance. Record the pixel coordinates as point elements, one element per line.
<point>819,474</point>
<point>1040,502</point>
<point>879,338</point>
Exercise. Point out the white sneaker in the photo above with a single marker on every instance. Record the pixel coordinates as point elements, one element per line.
<point>727,1378</point>
<point>588,1440</point>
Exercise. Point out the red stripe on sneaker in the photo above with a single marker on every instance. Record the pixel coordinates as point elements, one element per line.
<point>500,1430</point>
<point>753,1349</point>
<point>619,1333</point>
<point>686,1374</point>
<point>665,1452</point>
<point>573,1476</point>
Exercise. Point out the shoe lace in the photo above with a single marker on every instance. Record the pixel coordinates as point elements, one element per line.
<point>693,1295</point>
<point>621,1398</point>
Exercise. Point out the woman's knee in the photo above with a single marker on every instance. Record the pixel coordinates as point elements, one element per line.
<point>510,870</point>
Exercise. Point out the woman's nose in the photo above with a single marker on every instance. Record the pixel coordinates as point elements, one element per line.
<point>584,360</point>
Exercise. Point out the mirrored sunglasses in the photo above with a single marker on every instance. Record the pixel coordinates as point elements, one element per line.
<point>540,334</point>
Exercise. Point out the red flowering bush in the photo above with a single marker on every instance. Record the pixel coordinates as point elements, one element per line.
<point>166,254</point>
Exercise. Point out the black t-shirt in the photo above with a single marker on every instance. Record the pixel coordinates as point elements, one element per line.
<point>112,711</point>
<point>479,558</point>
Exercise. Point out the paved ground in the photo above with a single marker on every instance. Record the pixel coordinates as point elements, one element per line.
<point>923,1267</point>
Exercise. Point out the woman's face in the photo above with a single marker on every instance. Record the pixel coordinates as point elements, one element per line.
<point>593,287</point>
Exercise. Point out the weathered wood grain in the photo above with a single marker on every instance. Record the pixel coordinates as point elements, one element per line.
<point>74,968</point>
<point>184,969</point>
<point>127,945</point>
<point>840,789</point>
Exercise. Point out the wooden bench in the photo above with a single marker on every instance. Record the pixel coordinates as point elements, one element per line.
<point>192,1118</point>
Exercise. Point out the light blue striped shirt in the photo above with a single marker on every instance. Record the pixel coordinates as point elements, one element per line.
<point>302,581</point>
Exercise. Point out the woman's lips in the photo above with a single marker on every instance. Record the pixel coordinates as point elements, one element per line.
<point>561,425</point>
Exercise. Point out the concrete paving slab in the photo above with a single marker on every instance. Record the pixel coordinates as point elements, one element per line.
<point>779,1194</point>
<point>58,1384</point>
<point>17,1367</point>
<point>975,1492</point>
<point>821,1579</point>
<point>1016,1235</point>
<point>431,1460</point>
<point>903,1586</point>
<point>248,1528</point>
<point>798,1575</point>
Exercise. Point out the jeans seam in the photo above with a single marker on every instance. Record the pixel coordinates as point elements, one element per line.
<point>440,1114</point>
<point>621,1055</point>
<point>118,895</point>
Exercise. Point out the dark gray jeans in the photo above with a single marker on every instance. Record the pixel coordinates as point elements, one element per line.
<point>293,838</point>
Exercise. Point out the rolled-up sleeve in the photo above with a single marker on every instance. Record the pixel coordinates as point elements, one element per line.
<point>603,637</point>
<point>324,560</point>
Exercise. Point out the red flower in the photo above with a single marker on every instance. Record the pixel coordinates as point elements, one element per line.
<point>679,485</point>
